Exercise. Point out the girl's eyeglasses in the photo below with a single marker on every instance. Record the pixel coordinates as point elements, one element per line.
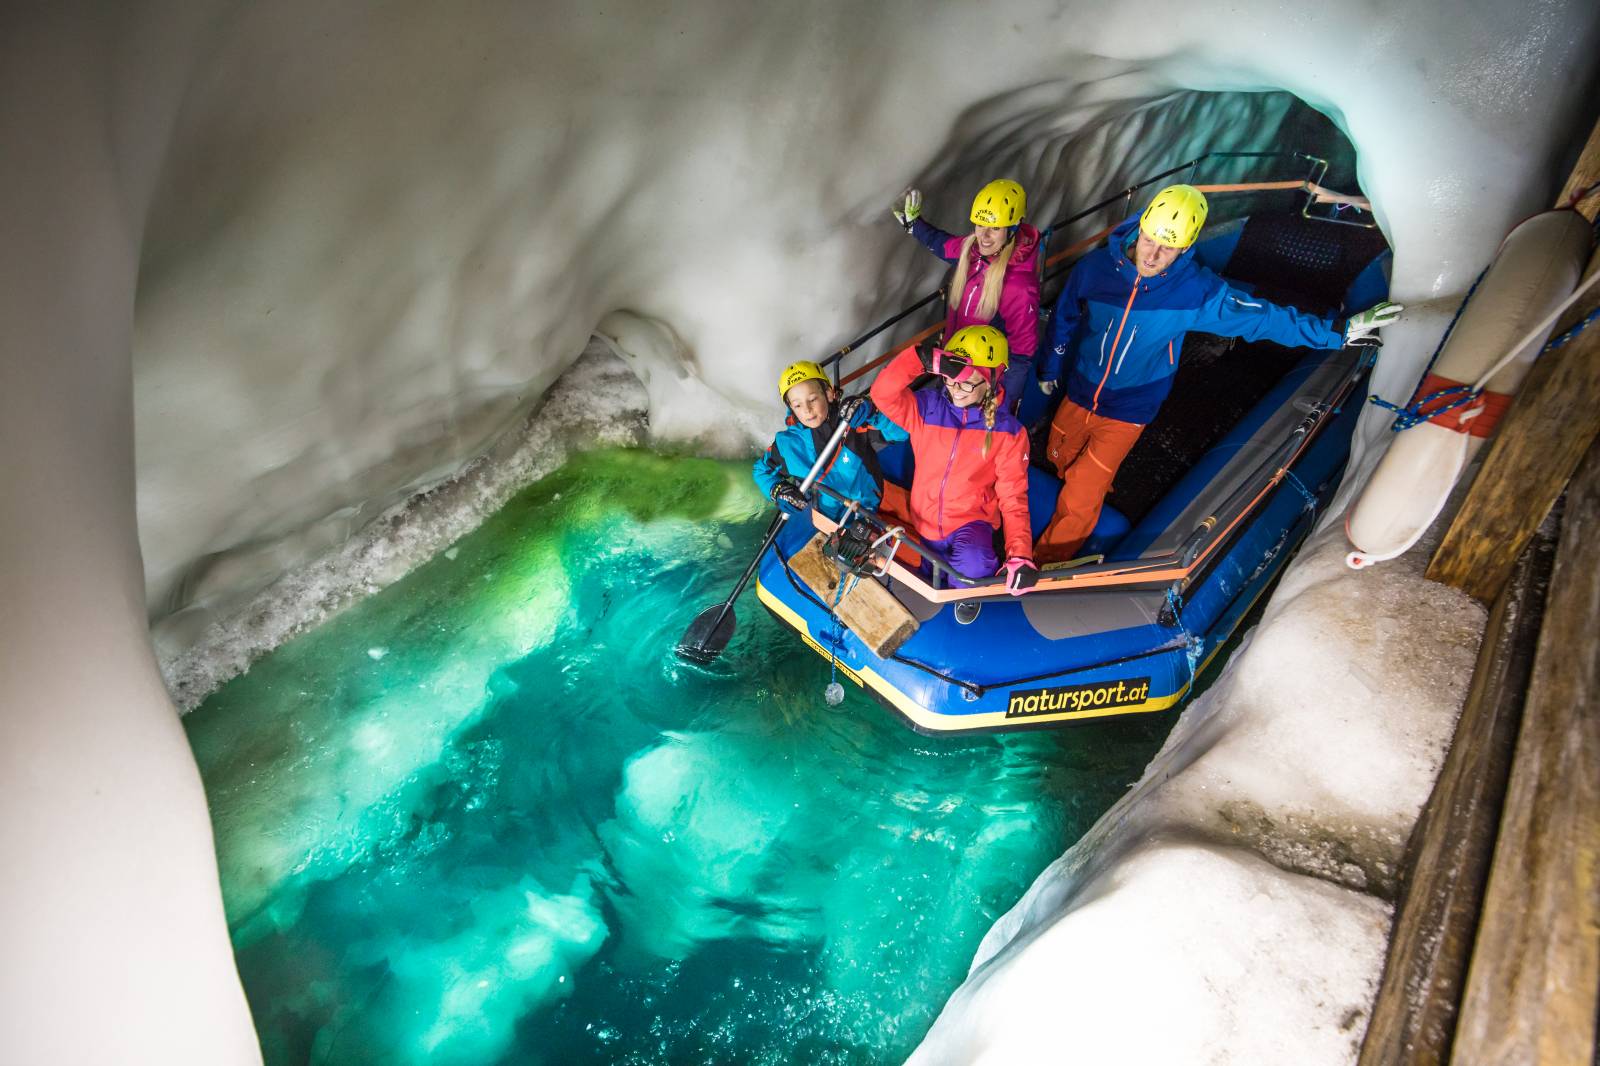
<point>959,371</point>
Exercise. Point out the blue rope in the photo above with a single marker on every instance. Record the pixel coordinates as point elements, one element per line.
<point>1306,495</point>
<point>1573,332</point>
<point>836,638</point>
<point>1411,414</point>
<point>1456,318</point>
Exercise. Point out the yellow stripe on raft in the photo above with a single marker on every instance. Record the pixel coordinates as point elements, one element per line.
<point>941,723</point>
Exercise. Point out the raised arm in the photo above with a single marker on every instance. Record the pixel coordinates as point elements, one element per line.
<point>936,240</point>
<point>891,391</point>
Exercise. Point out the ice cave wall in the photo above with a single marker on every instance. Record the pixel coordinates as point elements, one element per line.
<point>364,235</point>
<point>383,230</point>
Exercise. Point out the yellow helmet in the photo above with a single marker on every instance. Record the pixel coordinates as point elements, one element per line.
<point>982,346</point>
<point>1175,216</point>
<point>1000,203</point>
<point>795,373</point>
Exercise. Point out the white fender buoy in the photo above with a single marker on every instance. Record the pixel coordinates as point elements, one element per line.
<point>1535,269</point>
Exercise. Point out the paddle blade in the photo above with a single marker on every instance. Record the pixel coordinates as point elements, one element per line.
<point>708,634</point>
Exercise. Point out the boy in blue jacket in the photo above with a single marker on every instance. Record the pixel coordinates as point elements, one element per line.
<point>1117,332</point>
<point>815,410</point>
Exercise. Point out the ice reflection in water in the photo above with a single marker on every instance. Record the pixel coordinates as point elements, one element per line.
<point>486,816</point>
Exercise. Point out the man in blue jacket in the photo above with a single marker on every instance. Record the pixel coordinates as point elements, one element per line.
<point>815,409</point>
<point>1121,318</point>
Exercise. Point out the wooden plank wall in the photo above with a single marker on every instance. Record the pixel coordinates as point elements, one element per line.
<point>1446,867</point>
<point>1529,916</point>
<point>1535,977</point>
<point>1503,867</point>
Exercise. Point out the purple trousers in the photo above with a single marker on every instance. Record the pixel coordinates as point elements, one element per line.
<point>970,550</point>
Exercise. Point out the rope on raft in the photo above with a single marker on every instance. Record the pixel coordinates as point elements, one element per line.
<point>1420,410</point>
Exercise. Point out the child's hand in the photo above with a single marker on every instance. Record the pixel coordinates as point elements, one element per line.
<point>786,494</point>
<point>852,406</point>
<point>1021,575</point>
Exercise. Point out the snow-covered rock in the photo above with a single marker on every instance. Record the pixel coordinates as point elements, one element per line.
<point>1240,893</point>
<point>1179,952</point>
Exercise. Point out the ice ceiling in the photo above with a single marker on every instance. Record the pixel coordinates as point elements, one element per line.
<point>363,237</point>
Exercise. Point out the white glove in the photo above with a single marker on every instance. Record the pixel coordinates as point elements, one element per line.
<point>1363,325</point>
<point>1049,387</point>
<point>910,210</point>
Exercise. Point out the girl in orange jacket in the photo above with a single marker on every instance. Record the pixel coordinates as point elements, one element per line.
<point>971,477</point>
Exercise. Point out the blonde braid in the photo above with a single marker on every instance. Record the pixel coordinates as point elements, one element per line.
<point>991,403</point>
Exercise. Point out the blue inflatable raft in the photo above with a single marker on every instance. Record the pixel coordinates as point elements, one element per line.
<point>1128,629</point>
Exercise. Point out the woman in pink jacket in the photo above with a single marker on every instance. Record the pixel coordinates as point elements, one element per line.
<point>996,279</point>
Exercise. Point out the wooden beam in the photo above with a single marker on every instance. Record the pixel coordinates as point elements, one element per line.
<point>1446,866</point>
<point>1545,434</point>
<point>1584,175</point>
<point>1535,974</point>
<point>870,610</point>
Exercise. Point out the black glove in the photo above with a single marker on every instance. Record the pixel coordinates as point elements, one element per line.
<point>925,354</point>
<point>787,495</point>
<point>1021,575</point>
<point>851,406</point>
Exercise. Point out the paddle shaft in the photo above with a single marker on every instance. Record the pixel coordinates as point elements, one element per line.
<point>777,522</point>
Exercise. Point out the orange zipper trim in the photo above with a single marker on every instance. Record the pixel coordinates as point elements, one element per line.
<point>1111,360</point>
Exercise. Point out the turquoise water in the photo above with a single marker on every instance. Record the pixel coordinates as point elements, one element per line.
<point>486,816</point>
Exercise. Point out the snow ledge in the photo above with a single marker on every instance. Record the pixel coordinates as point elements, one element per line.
<point>1242,891</point>
<point>597,402</point>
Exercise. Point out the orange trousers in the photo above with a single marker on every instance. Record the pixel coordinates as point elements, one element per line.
<point>1085,450</point>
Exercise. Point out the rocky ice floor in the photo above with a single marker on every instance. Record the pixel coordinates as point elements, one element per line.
<point>597,402</point>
